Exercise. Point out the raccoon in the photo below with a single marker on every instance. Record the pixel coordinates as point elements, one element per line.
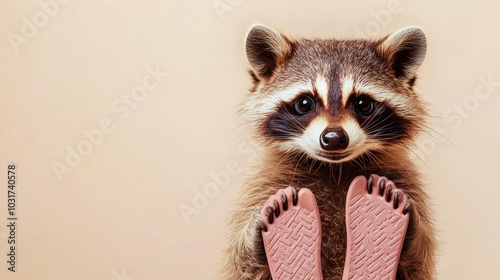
<point>306,90</point>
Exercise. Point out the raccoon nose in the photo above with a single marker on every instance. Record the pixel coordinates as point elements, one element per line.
<point>334,139</point>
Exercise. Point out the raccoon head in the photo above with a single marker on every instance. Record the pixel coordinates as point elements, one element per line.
<point>335,100</point>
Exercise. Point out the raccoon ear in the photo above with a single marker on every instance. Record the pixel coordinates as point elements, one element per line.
<point>266,49</point>
<point>404,50</point>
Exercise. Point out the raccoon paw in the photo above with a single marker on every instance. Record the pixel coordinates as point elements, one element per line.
<point>292,235</point>
<point>377,219</point>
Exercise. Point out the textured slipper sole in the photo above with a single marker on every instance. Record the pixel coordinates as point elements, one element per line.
<point>293,237</point>
<point>376,229</point>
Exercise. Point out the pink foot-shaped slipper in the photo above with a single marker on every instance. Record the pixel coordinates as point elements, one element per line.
<point>292,235</point>
<point>377,218</point>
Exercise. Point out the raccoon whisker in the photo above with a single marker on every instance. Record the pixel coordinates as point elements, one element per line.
<point>284,137</point>
<point>373,158</point>
<point>249,139</point>
<point>290,117</point>
<point>236,145</point>
<point>294,121</point>
<point>388,154</point>
<point>358,163</point>
<point>241,124</point>
<point>314,162</point>
<point>442,118</point>
<point>263,168</point>
<point>382,121</point>
<point>379,133</point>
<point>387,117</point>
<point>364,162</point>
<point>311,164</point>
<point>366,159</point>
<point>321,164</point>
<point>402,143</point>
<point>413,152</point>
<point>419,125</point>
<point>287,134</point>
<point>331,171</point>
<point>289,156</point>
<point>296,165</point>
<point>282,160</point>
<point>370,122</point>
<point>332,168</point>
<point>399,162</point>
<point>372,128</point>
<point>388,137</point>
<point>260,144</point>
<point>412,140</point>
<point>303,160</point>
<point>340,172</point>
<point>446,143</point>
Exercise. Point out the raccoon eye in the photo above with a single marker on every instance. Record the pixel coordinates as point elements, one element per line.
<point>304,105</point>
<point>364,106</point>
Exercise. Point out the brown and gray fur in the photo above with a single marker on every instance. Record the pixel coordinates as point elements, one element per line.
<point>382,70</point>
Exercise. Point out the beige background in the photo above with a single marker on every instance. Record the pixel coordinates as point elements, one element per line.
<point>116,214</point>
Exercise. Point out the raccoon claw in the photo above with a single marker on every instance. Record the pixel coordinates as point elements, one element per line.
<point>381,186</point>
<point>276,208</point>
<point>369,185</point>
<point>270,214</point>
<point>262,227</point>
<point>294,196</point>
<point>407,207</point>
<point>260,224</point>
<point>396,200</point>
<point>388,193</point>
<point>284,201</point>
